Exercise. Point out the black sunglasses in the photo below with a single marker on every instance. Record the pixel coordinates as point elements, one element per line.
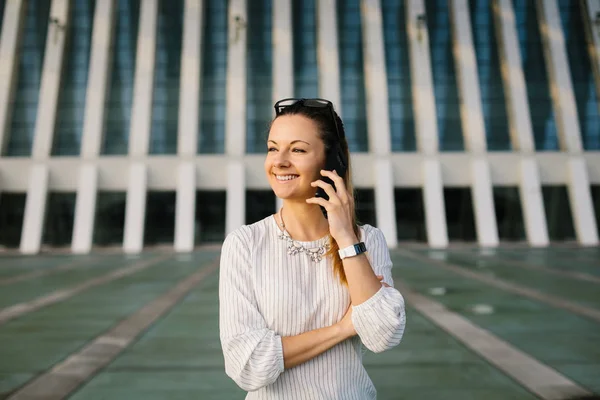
<point>314,103</point>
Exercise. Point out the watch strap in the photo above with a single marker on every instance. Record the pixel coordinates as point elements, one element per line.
<point>353,250</point>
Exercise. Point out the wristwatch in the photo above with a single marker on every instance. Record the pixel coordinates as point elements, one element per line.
<point>353,250</point>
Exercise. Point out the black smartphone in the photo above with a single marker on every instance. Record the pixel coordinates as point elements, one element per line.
<point>336,161</point>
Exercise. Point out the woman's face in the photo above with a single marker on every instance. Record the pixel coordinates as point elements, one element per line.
<point>295,155</point>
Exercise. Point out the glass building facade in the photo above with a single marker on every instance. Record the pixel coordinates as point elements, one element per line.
<point>227,33</point>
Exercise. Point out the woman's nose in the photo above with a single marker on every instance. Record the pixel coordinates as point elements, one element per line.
<point>281,160</point>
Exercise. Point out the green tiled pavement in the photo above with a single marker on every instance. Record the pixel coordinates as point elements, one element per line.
<point>179,356</point>
<point>14,266</point>
<point>553,336</point>
<point>34,342</point>
<point>429,360</point>
<point>32,288</point>
<point>577,290</point>
<point>183,351</point>
<point>580,260</point>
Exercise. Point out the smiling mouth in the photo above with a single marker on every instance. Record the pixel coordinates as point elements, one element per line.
<point>285,178</point>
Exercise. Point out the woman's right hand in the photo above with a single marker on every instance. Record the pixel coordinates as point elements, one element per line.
<point>346,326</point>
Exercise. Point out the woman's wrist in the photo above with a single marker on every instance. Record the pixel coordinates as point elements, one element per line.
<point>342,331</point>
<point>346,240</point>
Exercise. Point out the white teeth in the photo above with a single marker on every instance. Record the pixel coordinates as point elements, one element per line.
<point>285,177</point>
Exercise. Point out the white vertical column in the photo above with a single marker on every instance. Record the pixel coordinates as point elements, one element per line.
<point>483,202</point>
<point>580,198</point>
<point>14,12</point>
<point>567,121</point>
<point>378,117</point>
<point>141,110</point>
<point>421,78</point>
<point>376,86</point>
<point>189,109</point>
<point>532,203</point>
<point>385,209</point>
<point>185,210</point>
<point>139,133</point>
<point>328,53</point>
<point>97,84</point>
<point>135,209</point>
<point>472,122</point>
<point>467,77</point>
<point>37,191</point>
<point>235,123</point>
<point>50,83</point>
<point>591,18</point>
<point>559,73</point>
<point>35,206</point>
<point>236,196</point>
<point>85,209</point>
<point>435,210</point>
<point>283,59</point>
<point>519,119</point>
<point>426,122</point>
<point>93,125</point>
<point>191,70</point>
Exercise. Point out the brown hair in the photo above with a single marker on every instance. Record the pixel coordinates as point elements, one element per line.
<point>327,129</point>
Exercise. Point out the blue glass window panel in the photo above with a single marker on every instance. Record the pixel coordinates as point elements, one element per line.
<point>25,102</point>
<point>352,75</point>
<point>165,98</point>
<point>559,217</point>
<point>119,100</point>
<point>213,79</point>
<point>71,102</point>
<point>2,4</point>
<point>491,88</point>
<point>595,192</point>
<point>536,76</point>
<point>159,227</point>
<point>509,215</point>
<point>109,225</point>
<point>306,75</point>
<point>582,75</point>
<point>210,216</point>
<point>59,219</point>
<point>12,214</point>
<point>402,122</point>
<point>410,214</point>
<point>259,110</point>
<point>444,77</point>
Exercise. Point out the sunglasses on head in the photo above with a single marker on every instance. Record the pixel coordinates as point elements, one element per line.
<point>313,103</point>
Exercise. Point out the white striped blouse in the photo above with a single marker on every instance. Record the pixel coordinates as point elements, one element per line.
<point>266,294</point>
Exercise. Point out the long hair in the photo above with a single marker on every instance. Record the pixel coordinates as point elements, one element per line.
<point>327,131</point>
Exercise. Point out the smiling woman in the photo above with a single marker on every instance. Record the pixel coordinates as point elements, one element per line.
<point>300,297</point>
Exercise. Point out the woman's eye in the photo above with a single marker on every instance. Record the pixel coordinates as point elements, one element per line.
<point>299,151</point>
<point>271,149</point>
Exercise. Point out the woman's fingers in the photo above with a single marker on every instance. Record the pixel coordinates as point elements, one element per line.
<point>340,186</point>
<point>333,196</point>
<point>380,277</point>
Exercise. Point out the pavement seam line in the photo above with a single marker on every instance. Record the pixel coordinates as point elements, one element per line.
<point>534,267</point>
<point>36,274</point>
<point>537,377</point>
<point>510,287</point>
<point>68,375</point>
<point>16,310</point>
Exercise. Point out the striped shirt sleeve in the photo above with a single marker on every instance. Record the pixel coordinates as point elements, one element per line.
<point>253,353</point>
<point>380,320</point>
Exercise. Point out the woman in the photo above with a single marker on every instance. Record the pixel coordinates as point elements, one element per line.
<point>294,310</point>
